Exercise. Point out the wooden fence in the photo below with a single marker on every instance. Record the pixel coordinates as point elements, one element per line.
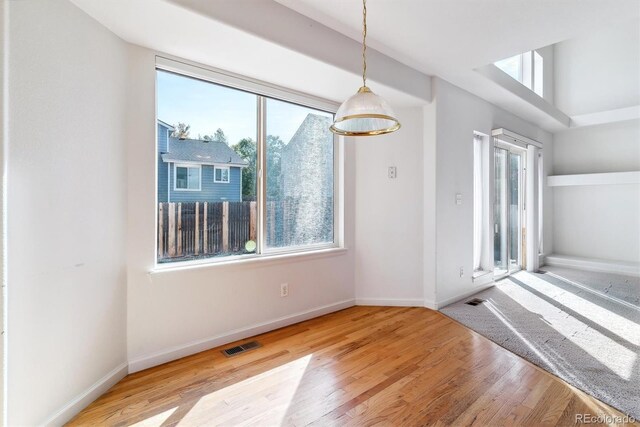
<point>205,229</point>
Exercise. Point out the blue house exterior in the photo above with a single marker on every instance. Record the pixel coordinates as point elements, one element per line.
<point>191,170</point>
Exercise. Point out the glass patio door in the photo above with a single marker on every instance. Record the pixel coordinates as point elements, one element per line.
<point>508,239</point>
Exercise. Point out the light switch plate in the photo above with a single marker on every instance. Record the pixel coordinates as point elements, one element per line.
<point>392,172</point>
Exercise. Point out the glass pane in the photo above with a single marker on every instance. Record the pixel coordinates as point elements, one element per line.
<point>194,178</point>
<point>515,217</point>
<point>511,66</point>
<point>181,177</point>
<point>299,175</point>
<point>204,123</point>
<point>500,213</point>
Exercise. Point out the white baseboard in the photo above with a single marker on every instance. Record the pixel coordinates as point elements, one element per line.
<point>591,264</point>
<point>72,408</point>
<point>392,302</point>
<point>430,304</point>
<point>147,361</point>
<point>445,302</point>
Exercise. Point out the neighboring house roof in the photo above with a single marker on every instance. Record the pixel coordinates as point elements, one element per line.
<point>203,152</point>
<point>165,124</point>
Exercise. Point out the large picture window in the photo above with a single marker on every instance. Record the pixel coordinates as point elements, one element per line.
<point>240,173</point>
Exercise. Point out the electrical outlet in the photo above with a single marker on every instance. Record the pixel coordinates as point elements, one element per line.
<point>461,271</point>
<point>284,289</point>
<point>393,172</point>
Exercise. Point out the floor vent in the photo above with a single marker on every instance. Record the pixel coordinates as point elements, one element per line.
<point>475,301</point>
<point>233,351</point>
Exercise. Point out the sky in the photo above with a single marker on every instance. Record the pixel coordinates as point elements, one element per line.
<point>207,106</point>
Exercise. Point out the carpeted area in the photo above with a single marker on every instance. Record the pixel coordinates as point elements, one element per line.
<point>583,327</point>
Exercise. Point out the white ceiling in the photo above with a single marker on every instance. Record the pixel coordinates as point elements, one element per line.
<point>313,45</point>
<point>450,38</point>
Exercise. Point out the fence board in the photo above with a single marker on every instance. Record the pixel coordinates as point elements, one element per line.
<point>205,234</point>
<point>160,231</point>
<point>172,230</point>
<point>225,226</point>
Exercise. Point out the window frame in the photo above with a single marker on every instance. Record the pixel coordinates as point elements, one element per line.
<point>188,166</point>
<point>262,91</point>
<point>227,168</point>
<point>529,74</point>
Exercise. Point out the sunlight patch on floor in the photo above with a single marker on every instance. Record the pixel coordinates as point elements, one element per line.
<point>594,343</point>
<point>621,326</point>
<point>156,420</point>
<point>262,399</point>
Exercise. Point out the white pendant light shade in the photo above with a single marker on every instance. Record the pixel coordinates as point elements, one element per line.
<point>364,114</point>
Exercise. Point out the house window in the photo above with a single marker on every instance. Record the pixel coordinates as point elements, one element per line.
<point>187,178</point>
<point>527,68</point>
<point>221,174</point>
<point>277,156</point>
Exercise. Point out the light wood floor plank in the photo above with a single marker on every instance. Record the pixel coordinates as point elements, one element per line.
<point>363,366</point>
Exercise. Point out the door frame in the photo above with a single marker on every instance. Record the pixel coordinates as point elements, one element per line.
<point>512,149</point>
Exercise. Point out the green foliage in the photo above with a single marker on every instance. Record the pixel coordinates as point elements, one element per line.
<point>181,131</point>
<point>274,167</point>
<point>246,149</point>
<point>219,136</point>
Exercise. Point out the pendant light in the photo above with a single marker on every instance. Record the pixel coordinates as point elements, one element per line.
<point>365,113</point>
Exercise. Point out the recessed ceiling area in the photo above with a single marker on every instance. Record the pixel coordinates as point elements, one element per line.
<point>451,39</point>
<point>409,41</point>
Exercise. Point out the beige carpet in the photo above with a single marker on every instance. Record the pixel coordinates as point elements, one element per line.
<point>583,327</point>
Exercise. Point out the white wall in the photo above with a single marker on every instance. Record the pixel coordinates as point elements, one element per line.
<point>458,115</point>
<point>66,207</point>
<point>175,313</point>
<point>4,130</point>
<point>598,221</point>
<point>429,173</point>
<point>599,71</point>
<point>389,215</point>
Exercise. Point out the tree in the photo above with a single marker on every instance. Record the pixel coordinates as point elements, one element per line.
<point>274,167</point>
<point>219,136</point>
<point>181,131</point>
<point>246,149</point>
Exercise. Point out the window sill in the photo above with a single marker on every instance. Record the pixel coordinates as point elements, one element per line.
<point>256,261</point>
<point>480,273</point>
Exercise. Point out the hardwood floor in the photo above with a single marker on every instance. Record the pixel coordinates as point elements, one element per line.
<point>356,367</point>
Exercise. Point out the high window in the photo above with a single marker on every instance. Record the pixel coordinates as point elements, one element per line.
<point>221,174</point>
<point>527,68</point>
<point>240,171</point>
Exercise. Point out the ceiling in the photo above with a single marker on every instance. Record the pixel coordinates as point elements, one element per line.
<point>450,38</point>
<point>313,46</point>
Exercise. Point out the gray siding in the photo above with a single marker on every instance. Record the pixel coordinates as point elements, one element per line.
<point>209,191</point>
<point>162,166</point>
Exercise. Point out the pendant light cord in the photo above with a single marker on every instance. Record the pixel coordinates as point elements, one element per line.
<point>364,43</point>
